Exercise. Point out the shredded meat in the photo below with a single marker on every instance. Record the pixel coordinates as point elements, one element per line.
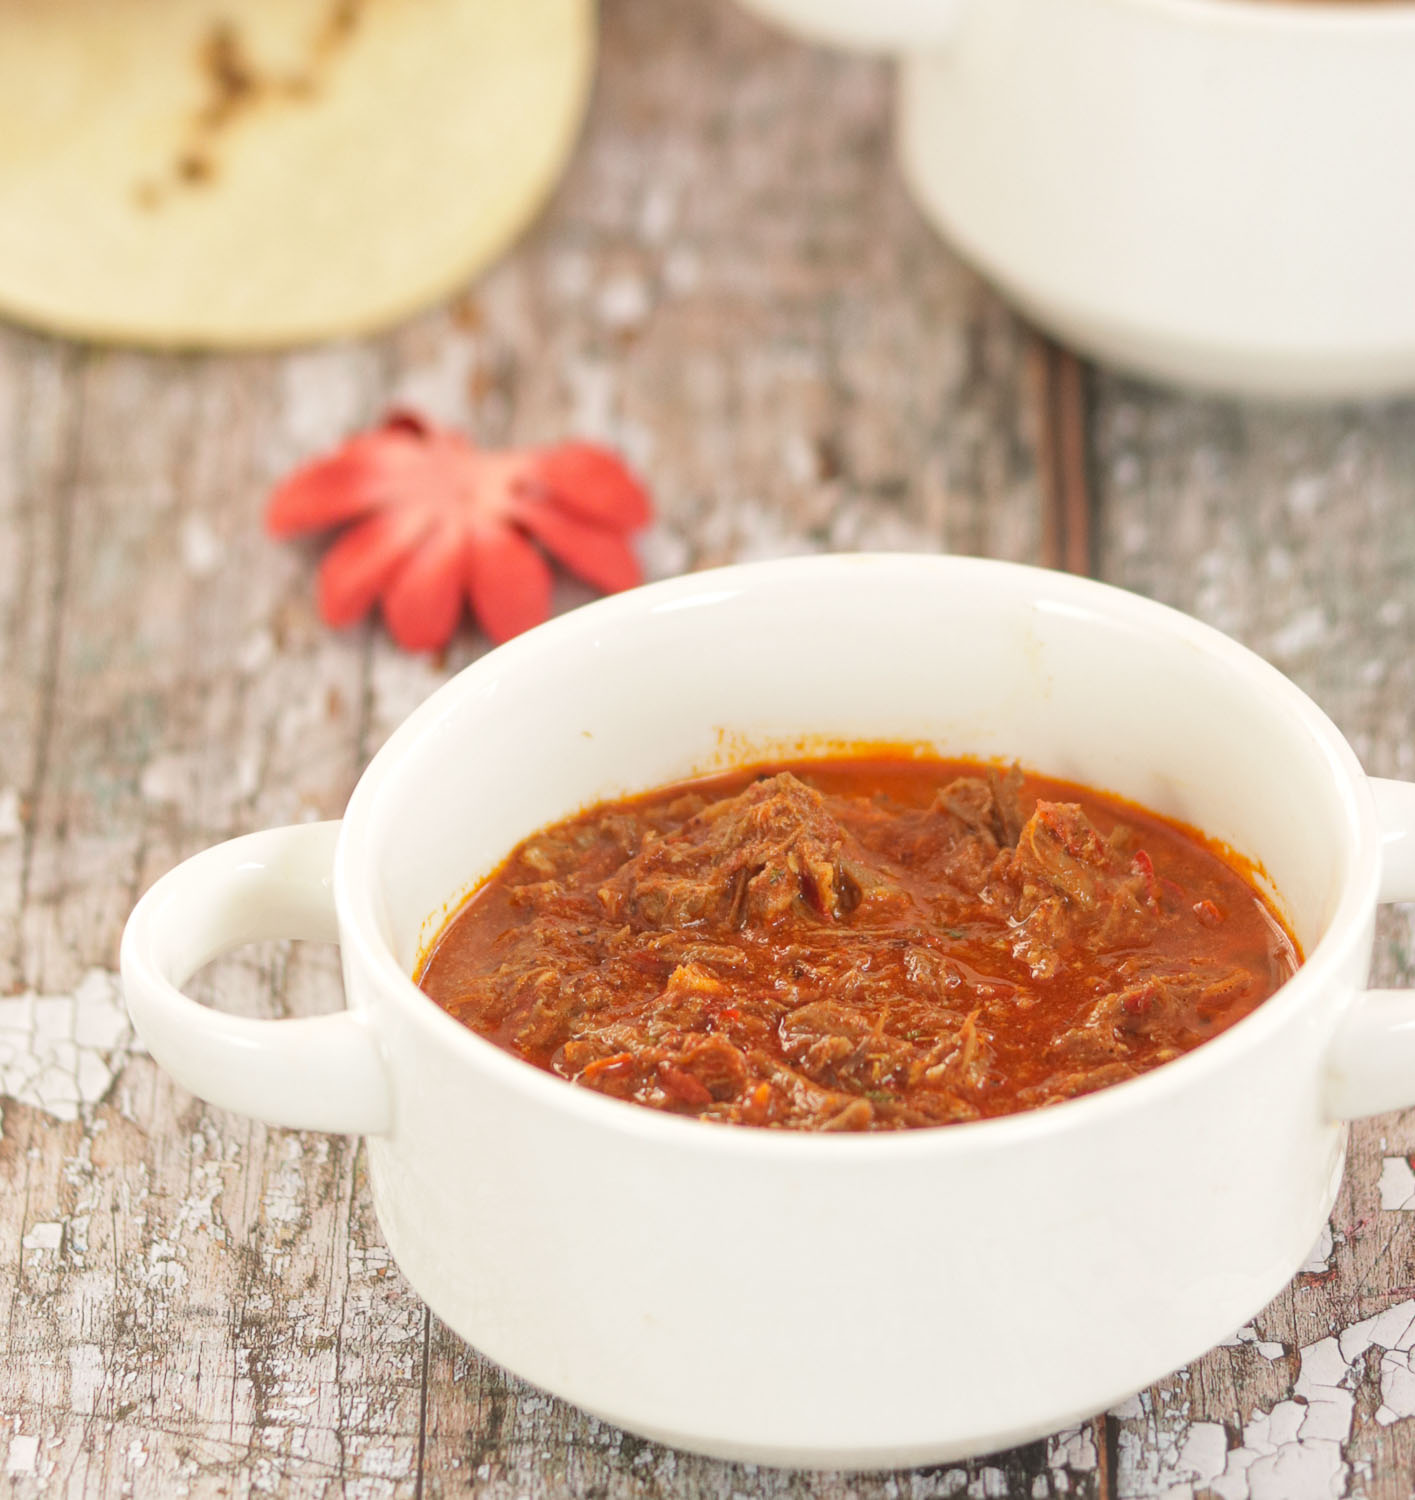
<point>748,860</point>
<point>858,946</point>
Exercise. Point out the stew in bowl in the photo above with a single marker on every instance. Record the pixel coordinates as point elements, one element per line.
<point>584,1241</point>
<point>863,943</point>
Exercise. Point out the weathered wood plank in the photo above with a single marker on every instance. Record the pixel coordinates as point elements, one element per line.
<point>1295,532</point>
<point>38,416</point>
<point>183,1281</point>
<point>1064,460</point>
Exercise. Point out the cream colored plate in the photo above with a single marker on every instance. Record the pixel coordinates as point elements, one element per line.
<point>225,173</point>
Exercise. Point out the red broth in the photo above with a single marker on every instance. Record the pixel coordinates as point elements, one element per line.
<point>859,944</point>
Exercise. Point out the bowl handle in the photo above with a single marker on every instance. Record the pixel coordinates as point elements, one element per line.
<point>323,1073</point>
<point>1371,1066</point>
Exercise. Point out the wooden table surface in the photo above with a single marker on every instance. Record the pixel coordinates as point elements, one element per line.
<point>732,285</point>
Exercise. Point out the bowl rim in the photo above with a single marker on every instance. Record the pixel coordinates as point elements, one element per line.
<point>355,880</point>
<point>1353,16</point>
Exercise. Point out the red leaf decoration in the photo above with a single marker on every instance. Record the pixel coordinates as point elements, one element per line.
<point>509,584</point>
<point>592,483</point>
<point>594,553</point>
<point>438,521</point>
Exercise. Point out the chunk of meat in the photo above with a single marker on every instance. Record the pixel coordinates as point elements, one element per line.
<point>958,837</point>
<point>748,861</point>
<point>719,1066</point>
<point>1071,1083</point>
<point>567,847</point>
<point>987,806</point>
<point>966,1065</point>
<point>1169,1009</point>
<point>837,1045</point>
<point>1070,889</point>
<point>794,1096</point>
<point>1059,853</point>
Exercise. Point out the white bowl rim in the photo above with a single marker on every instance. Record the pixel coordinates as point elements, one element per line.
<point>358,921</point>
<point>1357,16</point>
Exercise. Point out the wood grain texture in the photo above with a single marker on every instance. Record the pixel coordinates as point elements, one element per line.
<point>1295,532</point>
<point>1064,460</point>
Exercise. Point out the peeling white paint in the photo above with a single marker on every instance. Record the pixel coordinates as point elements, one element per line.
<point>663,551</point>
<point>658,212</point>
<point>1072,1448</point>
<point>285,1193</point>
<point>23,1455</point>
<point>623,302</point>
<point>437,387</point>
<point>86,1370</point>
<point>201,547</point>
<point>1307,628</point>
<point>1292,1451</point>
<point>161,1268</point>
<point>1273,1465</point>
<point>61,1053</point>
<point>798,458</point>
<point>1306,494</point>
<point>1397,1184</point>
<point>322,395</point>
<point>255,651</point>
<point>168,778</point>
<point>1393,1332</point>
<point>1321,1383</point>
<point>1318,1262</point>
<point>989,1484</point>
<point>856,527</point>
<point>400,684</point>
<point>1247,1336</point>
<point>78,1237</point>
<point>593,398</point>
<point>751,532</point>
<point>197,1211</point>
<point>12,824</point>
<point>47,1236</point>
<point>181,777</point>
<point>1204,1450</point>
<point>1127,473</point>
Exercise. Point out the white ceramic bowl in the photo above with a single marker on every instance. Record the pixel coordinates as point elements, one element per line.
<point>796,1299</point>
<point>1215,192</point>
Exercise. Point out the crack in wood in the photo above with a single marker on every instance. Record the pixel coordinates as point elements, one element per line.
<point>1064,462</point>
<point>422,1403</point>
